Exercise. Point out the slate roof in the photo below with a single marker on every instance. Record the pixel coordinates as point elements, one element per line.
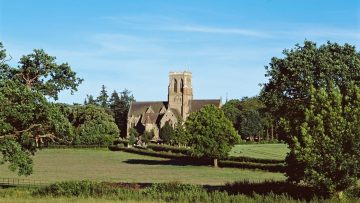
<point>195,105</point>
<point>138,108</point>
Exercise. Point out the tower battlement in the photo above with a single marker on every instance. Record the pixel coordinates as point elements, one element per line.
<point>180,73</point>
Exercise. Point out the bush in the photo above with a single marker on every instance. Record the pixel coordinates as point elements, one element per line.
<point>122,141</point>
<point>255,160</point>
<point>168,148</point>
<point>353,193</point>
<point>93,125</point>
<point>269,191</point>
<point>250,165</point>
<point>187,151</point>
<point>76,188</point>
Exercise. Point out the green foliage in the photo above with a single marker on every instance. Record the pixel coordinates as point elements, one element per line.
<point>82,188</point>
<point>168,148</point>
<point>269,191</point>
<point>19,160</point>
<point>167,133</point>
<point>102,99</point>
<point>212,134</point>
<point>232,110</point>
<point>90,100</point>
<point>287,93</point>
<point>120,105</point>
<point>180,136</point>
<point>289,99</point>
<point>93,125</point>
<point>329,144</point>
<point>247,116</point>
<point>38,71</point>
<point>251,123</point>
<point>147,136</point>
<point>132,139</point>
<point>29,120</point>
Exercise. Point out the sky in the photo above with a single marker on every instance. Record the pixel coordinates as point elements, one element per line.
<point>134,44</point>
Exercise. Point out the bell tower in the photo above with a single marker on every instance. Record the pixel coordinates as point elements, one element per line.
<point>180,92</point>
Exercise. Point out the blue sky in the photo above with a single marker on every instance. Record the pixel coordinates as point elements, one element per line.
<point>134,44</point>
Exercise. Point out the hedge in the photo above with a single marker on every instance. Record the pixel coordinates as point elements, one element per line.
<point>168,148</point>
<point>187,151</point>
<point>74,146</point>
<point>200,161</point>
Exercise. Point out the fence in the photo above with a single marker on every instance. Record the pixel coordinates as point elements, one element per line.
<point>12,182</point>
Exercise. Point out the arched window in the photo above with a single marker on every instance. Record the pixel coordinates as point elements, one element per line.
<point>175,85</point>
<point>181,86</point>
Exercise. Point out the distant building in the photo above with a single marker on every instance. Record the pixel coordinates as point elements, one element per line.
<point>152,115</point>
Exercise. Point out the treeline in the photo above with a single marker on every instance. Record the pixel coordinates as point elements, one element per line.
<point>117,105</point>
<point>98,121</point>
<point>250,118</point>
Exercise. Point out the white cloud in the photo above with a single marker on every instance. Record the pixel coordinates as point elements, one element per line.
<point>217,30</point>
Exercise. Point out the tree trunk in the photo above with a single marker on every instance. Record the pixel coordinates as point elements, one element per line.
<point>272,132</point>
<point>216,163</point>
<point>267,133</point>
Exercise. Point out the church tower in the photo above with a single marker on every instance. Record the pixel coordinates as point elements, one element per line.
<point>180,92</point>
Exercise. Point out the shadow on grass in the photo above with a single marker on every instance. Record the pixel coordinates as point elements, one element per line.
<point>190,161</point>
<point>174,162</point>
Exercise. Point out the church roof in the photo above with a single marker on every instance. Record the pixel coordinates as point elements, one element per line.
<point>195,105</point>
<point>138,108</point>
<point>153,111</point>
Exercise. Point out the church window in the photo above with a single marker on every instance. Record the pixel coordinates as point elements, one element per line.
<point>175,85</point>
<point>181,86</point>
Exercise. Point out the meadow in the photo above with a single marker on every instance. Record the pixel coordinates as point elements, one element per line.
<point>52,165</point>
<point>264,151</point>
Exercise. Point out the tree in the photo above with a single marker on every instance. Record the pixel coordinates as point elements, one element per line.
<point>212,134</point>
<point>180,136</point>
<point>287,94</point>
<point>103,97</point>
<point>93,126</point>
<point>4,67</point>
<point>247,116</point>
<point>147,136</point>
<point>330,146</point>
<point>38,71</point>
<point>27,120</point>
<point>89,100</point>
<point>167,133</point>
<point>120,108</point>
<point>232,110</point>
<point>251,124</point>
<point>133,136</point>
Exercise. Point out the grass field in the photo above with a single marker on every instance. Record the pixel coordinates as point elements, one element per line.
<point>104,165</point>
<point>265,151</point>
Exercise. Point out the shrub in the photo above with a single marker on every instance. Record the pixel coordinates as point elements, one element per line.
<point>250,165</point>
<point>168,148</point>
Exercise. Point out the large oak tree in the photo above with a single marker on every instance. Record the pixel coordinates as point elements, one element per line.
<point>27,119</point>
<point>288,95</point>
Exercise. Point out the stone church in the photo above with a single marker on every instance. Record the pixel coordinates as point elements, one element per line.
<point>152,115</point>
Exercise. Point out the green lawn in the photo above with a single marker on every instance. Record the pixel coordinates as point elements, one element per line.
<point>265,151</point>
<point>104,165</point>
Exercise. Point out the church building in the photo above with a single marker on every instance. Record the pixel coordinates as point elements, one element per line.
<point>152,115</point>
